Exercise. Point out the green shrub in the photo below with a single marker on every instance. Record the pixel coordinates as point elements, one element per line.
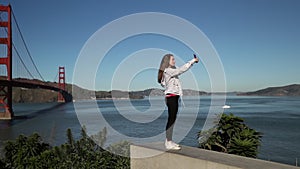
<point>32,152</point>
<point>231,135</point>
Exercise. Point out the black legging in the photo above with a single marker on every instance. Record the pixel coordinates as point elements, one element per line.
<point>172,103</point>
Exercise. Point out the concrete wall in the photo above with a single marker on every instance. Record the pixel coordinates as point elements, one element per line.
<point>155,156</point>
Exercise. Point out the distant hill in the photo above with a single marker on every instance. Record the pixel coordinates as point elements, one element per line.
<point>24,95</point>
<point>160,92</point>
<point>290,90</point>
<point>141,94</point>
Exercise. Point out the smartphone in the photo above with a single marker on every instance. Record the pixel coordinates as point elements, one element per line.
<point>195,57</point>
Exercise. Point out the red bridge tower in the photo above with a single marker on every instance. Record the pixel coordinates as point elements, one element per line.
<point>6,111</point>
<point>61,83</point>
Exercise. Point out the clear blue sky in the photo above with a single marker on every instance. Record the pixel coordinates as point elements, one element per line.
<point>258,41</point>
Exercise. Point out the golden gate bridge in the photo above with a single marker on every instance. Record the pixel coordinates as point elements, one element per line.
<point>15,67</point>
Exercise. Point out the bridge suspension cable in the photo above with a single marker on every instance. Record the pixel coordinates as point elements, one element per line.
<point>55,79</point>
<point>22,61</point>
<point>18,54</point>
<point>29,54</point>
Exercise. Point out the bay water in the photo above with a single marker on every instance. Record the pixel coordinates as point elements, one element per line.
<point>278,118</point>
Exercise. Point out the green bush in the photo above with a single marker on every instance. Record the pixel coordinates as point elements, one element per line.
<point>2,164</point>
<point>22,150</point>
<point>231,135</point>
<point>32,152</point>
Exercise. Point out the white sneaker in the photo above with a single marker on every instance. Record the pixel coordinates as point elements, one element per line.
<point>175,144</point>
<point>170,145</point>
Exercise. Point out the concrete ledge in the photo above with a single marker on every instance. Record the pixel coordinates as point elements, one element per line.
<point>156,157</point>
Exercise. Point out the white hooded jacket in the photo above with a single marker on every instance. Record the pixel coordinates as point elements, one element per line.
<point>170,80</point>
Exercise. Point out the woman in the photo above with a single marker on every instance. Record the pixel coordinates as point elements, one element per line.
<point>168,78</point>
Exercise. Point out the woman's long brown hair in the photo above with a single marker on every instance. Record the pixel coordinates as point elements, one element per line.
<point>163,65</point>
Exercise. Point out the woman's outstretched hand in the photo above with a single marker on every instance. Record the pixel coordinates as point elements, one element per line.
<point>196,59</point>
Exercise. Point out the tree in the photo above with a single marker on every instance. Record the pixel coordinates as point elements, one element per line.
<point>2,164</point>
<point>20,151</point>
<point>231,135</point>
<point>32,152</point>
